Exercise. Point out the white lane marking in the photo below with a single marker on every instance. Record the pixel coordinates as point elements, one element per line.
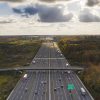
<point>63,88</point>
<point>49,78</point>
<point>49,87</point>
<point>85,88</point>
<point>46,85</point>
<point>14,89</point>
<point>53,84</point>
<point>10,94</point>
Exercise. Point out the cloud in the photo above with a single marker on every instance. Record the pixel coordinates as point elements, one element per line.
<point>88,15</point>
<point>73,10</point>
<point>29,10</point>
<point>92,2</point>
<point>12,0</point>
<point>53,13</point>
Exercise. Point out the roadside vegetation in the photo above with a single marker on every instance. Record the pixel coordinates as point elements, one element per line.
<point>8,81</point>
<point>15,52</point>
<point>84,51</point>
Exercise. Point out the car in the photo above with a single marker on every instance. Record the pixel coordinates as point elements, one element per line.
<point>55,89</point>
<point>20,72</point>
<point>26,89</point>
<point>42,82</point>
<point>43,92</point>
<point>61,54</point>
<point>25,76</point>
<point>83,92</point>
<point>62,86</point>
<point>59,79</point>
<point>58,87</point>
<point>65,71</point>
<point>36,92</point>
<point>69,72</point>
<point>67,64</point>
<point>45,82</point>
<point>33,62</point>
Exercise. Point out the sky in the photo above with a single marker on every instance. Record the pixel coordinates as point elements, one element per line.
<point>32,17</point>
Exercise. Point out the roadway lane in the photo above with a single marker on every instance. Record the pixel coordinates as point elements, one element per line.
<point>71,78</point>
<point>46,84</point>
<point>19,90</point>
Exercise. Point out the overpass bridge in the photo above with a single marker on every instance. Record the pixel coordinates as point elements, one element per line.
<point>74,68</point>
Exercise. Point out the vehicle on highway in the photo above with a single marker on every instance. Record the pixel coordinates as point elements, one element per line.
<point>62,86</point>
<point>83,92</point>
<point>45,82</point>
<point>55,89</point>
<point>25,76</point>
<point>69,72</point>
<point>26,89</point>
<point>59,79</point>
<point>20,72</point>
<point>65,72</point>
<point>36,92</point>
<point>43,92</point>
<point>67,64</point>
<point>61,54</point>
<point>33,62</point>
<point>41,82</point>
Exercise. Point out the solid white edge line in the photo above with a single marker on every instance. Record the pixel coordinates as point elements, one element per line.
<point>85,88</point>
<point>81,81</point>
<point>13,89</point>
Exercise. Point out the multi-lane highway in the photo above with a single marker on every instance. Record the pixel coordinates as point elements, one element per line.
<point>49,84</point>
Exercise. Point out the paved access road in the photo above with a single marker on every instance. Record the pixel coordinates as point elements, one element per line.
<point>49,84</point>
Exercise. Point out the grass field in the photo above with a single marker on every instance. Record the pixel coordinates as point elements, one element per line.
<point>8,81</point>
<point>15,52</point>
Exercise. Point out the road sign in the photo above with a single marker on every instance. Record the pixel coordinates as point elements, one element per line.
<point>70,87</point>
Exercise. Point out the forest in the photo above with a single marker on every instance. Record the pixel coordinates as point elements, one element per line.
<point>84,51</point>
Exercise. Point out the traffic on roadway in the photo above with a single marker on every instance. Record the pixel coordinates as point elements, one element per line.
<point>49,84</point>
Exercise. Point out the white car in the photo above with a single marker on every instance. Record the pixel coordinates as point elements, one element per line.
<point>61,54</point>
<point>69,72</point>
<point>67,64</point>
<point>83,91</point>
<point>25,76</point>
<point>33,61</point>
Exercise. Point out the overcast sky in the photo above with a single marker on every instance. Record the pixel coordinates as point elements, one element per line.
<point>19,17</point>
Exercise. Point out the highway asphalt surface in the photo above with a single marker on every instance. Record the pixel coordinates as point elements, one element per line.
<point>49,84</point>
